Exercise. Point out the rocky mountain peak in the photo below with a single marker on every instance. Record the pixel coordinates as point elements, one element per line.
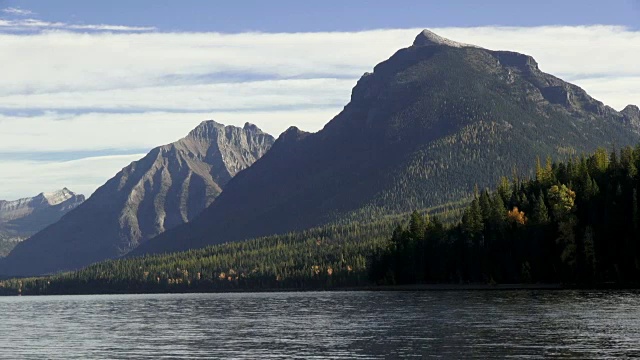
<point>211,130</point>
<point>206,129</point>
<point>22,218</point>
<point>227,149</point>
<point>168,187</point>
<point>292,134</point>
<point>631,110</point>
<point>631,115</point>
<point>429,38</point>
<point>251,127</point>
<point>207,124</point>
<point>59,196</point>
<point>42,200</point>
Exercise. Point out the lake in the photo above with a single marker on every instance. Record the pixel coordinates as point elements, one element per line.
<point>324,325</point>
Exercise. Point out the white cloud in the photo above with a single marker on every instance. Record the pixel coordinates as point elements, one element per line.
<point>102,131</point>
<point>109,61</point>
<point>28,178</point>
<point>96,63</point>
<point>620,91</point>
<point>35,24</point>
<point>194,97</point>
<point>54,132</point>
<point>115,61</point>
<point>17,11</point>
<point>164,84</point>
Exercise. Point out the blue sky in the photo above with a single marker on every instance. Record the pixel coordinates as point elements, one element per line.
<point>90,86</point>
<point>333,15</point>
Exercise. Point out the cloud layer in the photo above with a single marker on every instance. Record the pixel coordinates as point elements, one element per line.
<point>29,178</point>
<point>58,132</point>
<point>25,21</point>
<point>103,87</point>
<point>16,11</point>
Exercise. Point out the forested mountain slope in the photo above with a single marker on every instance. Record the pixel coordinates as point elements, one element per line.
<point>429,124</point>
<point>576,222</point>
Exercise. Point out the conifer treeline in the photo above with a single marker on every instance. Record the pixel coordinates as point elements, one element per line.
<point>327,256</point>
<point>575,222</point>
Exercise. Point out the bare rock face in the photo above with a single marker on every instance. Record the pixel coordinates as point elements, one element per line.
<point>168,187</point>
<point>22,218</point>
<point>631,115</point>
<point>175,182</point>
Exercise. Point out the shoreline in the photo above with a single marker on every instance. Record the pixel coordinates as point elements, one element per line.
<point>367,288</point>
<point>462,287</point>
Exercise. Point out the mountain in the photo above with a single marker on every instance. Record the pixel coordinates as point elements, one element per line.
<point>427,126</point>
<point>166,188</point>
<point>22,218</point>
<point>631,115</point>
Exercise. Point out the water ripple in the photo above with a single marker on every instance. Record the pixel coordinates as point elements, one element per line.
<point>323,325</point>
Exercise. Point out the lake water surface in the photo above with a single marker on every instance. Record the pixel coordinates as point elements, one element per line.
<point>322,325</point>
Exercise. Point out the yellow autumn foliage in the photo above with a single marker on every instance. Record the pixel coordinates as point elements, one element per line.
<point>517,216</point>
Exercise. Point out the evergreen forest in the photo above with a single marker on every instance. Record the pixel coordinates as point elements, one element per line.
<point>575,223</point>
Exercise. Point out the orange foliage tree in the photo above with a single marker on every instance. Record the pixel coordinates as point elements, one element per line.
<point>517,216</point>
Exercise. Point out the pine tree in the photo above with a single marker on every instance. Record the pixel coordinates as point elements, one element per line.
<point>472,223</point>
<point>590,187</point>
<point>548,169</point>
<point>523,199</point>
<point>613,160</point>
<point>504,188</point>
<point>476,216</point>
<point>540,175</point>
<point>485,205</point>
<point>540,213</point>
<point>498,209</point>
<point>562,201</point>
<point>396,238</point>
<point>417,226</point>
<point>600,160</point>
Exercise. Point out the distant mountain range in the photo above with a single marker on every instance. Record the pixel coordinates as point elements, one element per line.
<point>22,218</point>
<point>168,187</point>
<point>428,125</point>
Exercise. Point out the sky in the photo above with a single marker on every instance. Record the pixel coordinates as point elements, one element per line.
<point>88,87</point>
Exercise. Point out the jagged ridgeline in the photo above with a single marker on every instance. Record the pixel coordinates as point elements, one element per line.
<point>168,187</point>
<point>424,128</point>
<point>20,219</point>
